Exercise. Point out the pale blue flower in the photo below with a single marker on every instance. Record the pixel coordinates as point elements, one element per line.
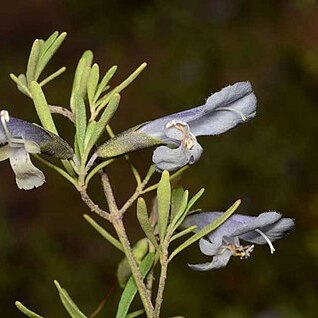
<point>222,111</point>
<point>224,242</point>
<point>18,139</point>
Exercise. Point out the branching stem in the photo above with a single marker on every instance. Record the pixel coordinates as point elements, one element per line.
<point>93,206</point>
<point>62,111</point>
<point>117,221</point>
<point>162,280</point>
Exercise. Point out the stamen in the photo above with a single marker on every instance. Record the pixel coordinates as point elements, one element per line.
<point>12,142</point>
<point>272,249</point>
<point>248,249</point>
<point>174,123</point>
<point>4,116</point>
<point>244,118</point>
<point>242,252</point>
<point>188,139</point>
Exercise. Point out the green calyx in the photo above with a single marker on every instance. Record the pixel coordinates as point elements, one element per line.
<point>127,141</point>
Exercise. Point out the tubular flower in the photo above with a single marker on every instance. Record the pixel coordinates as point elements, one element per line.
<point>18,139</point>
<point>222,111</point>
<point>224,242</point>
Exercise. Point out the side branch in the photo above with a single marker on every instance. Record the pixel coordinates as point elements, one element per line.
<point>93,206</point>
<point>138,192</point>
<point>62,111</point>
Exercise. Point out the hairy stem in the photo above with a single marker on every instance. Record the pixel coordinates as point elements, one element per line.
<point>138,192</point>
<point>93,206</point>
<point>162,280</point>
<point>62,111</point>
<point>116,219</point>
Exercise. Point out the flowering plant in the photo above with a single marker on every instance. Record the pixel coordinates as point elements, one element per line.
<point>93,103</point>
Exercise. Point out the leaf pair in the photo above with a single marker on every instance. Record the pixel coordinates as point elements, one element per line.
<point>87,133</point>
<point>173,206</point>
<point>86,86</point>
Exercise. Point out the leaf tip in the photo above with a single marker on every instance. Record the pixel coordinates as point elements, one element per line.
<point>17,303</point>
<point>56,283</point>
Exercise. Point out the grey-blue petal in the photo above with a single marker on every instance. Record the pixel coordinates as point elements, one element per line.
<point>221,260</point>
<point>155,128</point>
<point>4,152</point>
<point>221,119</point>
<point>176,134</point>
<point>258,222</point>
<point>273,231</point>
<point>200,219</point>
<point>218,262</point>
<point>49,143</point>
<point>208,248</point>
<point>204,120</point>
<point>228,95</point>
<point>194,153</point>
<point>171,159</point>
<point>202,267</point>
<point>226,229</point>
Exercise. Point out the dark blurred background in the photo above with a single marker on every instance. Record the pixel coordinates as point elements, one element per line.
<point>192,48</point>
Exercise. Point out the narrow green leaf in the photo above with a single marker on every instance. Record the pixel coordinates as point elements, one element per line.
<point>26,311</point>
<point>84,80</point>
<point>21,84</point>
<point>33,61</point>
<point>206,230</point>
<point>103,232</point>
<point>131,288</point>
<point>135,313</point>
<point>194,199</point>
<point>164,198</point>
<point>68,303</point>
<point>89,131</point>
<point>50,47</point>
<point>80,120</point>
<point>184,232</point>
<point>92,82</point>
<point>180,213</point>
<point>50,40</point>
<point>102,123</point>
<point>176,199</point>
<point>103,101</point>
<point>103,84</point>
<point>81,75</point>
<point>53,76</point>
<point>144,222</point>
<point>42,107</point>
<point>180,219</point>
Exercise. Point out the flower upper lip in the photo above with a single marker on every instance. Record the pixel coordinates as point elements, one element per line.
<point>49,143</point>
<point>224,242</point>
<point>222,111</point>
<point>215,116</point>
<point>18,139</point>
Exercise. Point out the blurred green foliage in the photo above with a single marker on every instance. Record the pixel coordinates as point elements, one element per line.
<point>192,48</point>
